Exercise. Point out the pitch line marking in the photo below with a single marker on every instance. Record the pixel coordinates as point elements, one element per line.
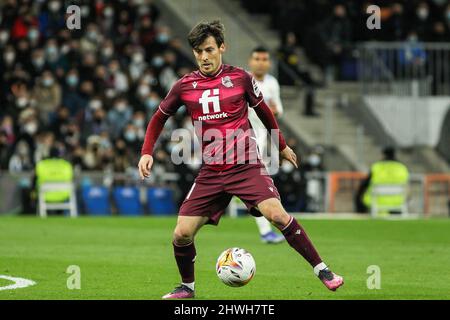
<point>18,283</point>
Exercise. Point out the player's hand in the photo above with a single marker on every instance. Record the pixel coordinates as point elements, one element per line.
<point>145,165</point>
<point>288,154</point>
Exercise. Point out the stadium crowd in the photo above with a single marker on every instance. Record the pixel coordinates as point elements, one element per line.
<point>326,29</point>
<point>86,92</point>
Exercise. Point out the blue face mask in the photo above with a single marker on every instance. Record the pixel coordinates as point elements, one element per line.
<point>130,136</point>
<point>151,103</point>
<point>158,62</point>
<point>72,80</point>
<point>162,38</point>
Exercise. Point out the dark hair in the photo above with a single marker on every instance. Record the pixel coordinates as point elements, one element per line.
<point>389,153</point>
<point>203,30</point>
<point>260,49</point>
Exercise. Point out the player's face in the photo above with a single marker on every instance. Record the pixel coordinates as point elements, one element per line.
<point>259,63</point>
<point>209,55</point>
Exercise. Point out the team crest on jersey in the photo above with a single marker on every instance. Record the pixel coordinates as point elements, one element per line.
<point>226,81</point>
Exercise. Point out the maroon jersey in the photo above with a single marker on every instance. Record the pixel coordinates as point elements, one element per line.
<point>218,106</point>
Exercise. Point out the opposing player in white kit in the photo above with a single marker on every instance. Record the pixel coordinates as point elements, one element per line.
<point>259,64</point>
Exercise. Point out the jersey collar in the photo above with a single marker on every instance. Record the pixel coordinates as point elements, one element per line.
<point>212,75</point>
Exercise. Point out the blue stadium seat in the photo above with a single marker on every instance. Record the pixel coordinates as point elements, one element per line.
<point>127,201</point>
<point>96,200</point>
<point>160,201</point>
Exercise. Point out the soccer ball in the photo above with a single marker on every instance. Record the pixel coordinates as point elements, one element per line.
<point>235,267</point>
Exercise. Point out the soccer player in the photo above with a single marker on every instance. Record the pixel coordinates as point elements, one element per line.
<point>217,97</point>
<point>259,63</point>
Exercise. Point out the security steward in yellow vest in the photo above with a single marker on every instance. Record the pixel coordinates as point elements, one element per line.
<point>388,171</point>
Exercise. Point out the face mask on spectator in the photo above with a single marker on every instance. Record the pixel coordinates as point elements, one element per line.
<point>38,62</point>
<point>158,61</point>
<point>143,90</point>
<point>47,82</point>
<point>95,104</point>
<point>130,135</point>
<point>4,36</point>
<point>21,102</point>
<point>31,127</point>
<point>33,34</point>
<point>314,160</point>
<point>72,80</point>
<point>162,37</point>
<point>149,79</point>
<point>54,6</point>
<point>9,56</point>
<point>412,38</point>
<point>422,13</point>
<point>121,107</point>
<point>52,52</point>
<point>108,12</point>
<point>139,122</point>
<point>107,52</point>
<point>151,103</point>
<point>92,35</point>
<point>287,167</point>
<point>138,58</point>
<point>85,11</point>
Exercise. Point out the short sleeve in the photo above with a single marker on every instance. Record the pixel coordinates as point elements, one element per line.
<point>252,92</point>
<point>172,102</point>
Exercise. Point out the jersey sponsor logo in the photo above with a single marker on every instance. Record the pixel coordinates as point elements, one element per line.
<point>213,116</point>
<point>207,98</point>
<point>226,81</point>
<point>255,87</point>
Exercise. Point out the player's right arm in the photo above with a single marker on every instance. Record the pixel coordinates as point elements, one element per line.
<point>167,107</point>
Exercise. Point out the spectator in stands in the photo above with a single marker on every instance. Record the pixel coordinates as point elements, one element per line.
<point>422,21</point>
<point>47,94</point>
<point>337,32</point>
<point>290,56</point>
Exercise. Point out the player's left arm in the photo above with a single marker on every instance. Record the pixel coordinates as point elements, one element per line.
<point>256,101</point>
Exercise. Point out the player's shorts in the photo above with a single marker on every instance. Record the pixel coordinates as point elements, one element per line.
<point>212,190</point>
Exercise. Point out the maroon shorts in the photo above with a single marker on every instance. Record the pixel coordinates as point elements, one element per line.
<point>212,190</point>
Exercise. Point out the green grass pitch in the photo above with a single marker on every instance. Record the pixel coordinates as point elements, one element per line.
<point>131,258</point>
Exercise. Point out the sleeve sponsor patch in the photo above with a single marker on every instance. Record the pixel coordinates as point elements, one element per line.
<point>255,87</point>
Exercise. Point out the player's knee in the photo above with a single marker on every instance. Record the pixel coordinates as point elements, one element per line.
<point>182,236</point>
<point>277,215</point>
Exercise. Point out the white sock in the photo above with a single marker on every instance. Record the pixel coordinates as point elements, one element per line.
<point>264,225</point>
<point>190,285</point>
<point>319,267</point>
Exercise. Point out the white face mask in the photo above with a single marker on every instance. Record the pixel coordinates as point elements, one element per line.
<point>95,104</point>
<point>314,160</point>
<point>31,127</point>
<point>287,167</point>
<point>422,13</point>
<point>22,102</point>
<point>143,90</point>
<point>9,56</point>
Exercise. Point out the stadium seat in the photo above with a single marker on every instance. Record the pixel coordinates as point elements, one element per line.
<point>127,201</point>
<point>96,200</point>
<point>160,201</point>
